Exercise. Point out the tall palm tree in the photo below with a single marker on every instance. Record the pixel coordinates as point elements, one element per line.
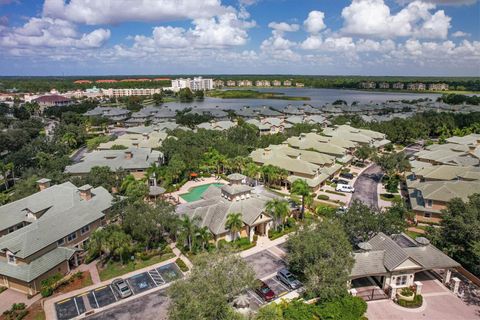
<point>4,171</point>
<point>189,229</point>
<point>154,172</point>
<point>252,170</point>
<point>69,139</point>
<point>10,167</point>
<point>301,188</point>
<point>127,181</point>
<point>234,224</point>
<point>278,208</point>
<point>204,235</point>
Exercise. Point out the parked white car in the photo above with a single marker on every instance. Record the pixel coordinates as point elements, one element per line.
<point>345,188</point>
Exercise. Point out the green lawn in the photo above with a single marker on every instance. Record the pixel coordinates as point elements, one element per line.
<point>413,235</point>
<point>116,269</point>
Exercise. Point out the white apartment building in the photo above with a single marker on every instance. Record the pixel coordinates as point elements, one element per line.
<point>195,84</point>
<point>130,92</point>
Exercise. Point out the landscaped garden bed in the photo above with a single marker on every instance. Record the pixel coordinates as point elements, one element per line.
<point>114,268</point>
<point>181,265</point>
<point>407,298</point>
<point>240,244</point>
<point>390,197</point>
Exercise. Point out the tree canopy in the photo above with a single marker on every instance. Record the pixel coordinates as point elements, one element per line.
<point>216,279</point>
<point>459,234</point>
<point>322,255</point>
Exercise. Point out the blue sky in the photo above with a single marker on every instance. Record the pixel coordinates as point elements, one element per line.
<point>331,37</point>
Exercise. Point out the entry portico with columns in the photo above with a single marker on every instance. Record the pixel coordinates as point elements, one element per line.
<point>391,263</point>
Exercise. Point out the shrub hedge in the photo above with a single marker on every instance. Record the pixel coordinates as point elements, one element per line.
<point>416,303</point>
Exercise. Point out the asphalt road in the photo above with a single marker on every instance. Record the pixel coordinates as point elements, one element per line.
<point>152,306</point>
<point>366,186</point>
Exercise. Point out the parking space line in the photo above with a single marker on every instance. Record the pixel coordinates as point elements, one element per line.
<point>154,282</point>
<point>95,297</point>
<point>76,306</point>
<point>254,294</point>
<point>281,284</point>
<point>63,301</point>
<point>98,289</point>
<point>116,299</point>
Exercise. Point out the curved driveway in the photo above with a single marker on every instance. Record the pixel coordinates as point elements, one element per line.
<point>366,186</point>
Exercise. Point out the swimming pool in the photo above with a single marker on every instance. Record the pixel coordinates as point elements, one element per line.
<point>196,193</point>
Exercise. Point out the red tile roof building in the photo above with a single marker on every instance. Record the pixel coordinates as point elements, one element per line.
<point>52,100</point>
<point>82,81</point>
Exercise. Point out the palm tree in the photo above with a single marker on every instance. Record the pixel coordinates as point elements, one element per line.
<point>127,182</point>
<point>252,170</point>
<point>153,172</point>
<point>10,167</point>
<point>69,139</point>
<point>189,229</point>
<point>234,224</point>
<point>204,235</point>
<point>4,171</point>
<point>278,209</point>
<point>301,188</point>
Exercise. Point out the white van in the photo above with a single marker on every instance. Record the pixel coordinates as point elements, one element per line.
<point>345,188</point>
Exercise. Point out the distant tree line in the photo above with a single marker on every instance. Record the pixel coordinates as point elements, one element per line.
<point>425,125</point>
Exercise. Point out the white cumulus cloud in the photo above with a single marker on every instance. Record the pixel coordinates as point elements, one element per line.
<point>373,18</point>
<point>314,22</point>
<point>48,32</point>
<point>116,11</point>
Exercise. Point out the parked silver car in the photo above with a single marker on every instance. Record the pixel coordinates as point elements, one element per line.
<point>121,287</point>
<point>288,279</point>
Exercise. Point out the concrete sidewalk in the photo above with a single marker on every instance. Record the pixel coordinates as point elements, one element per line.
<point>10,296</point>
<point>265,244</point>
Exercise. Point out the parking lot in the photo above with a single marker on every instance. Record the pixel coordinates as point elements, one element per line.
<point>106,295</point>
<point>266,263</point>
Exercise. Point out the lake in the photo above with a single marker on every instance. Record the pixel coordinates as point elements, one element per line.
<point>318,97</point>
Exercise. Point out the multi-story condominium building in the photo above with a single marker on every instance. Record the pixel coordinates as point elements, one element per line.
<point>384,85</point>
<point>449,154</point>
<point>418,86</point>
<point>115,114</point>
<point>201,84</point>
<point>431,188</point>
<point>218,83</point>
<point>438,87</point>
<point>245,83</point>
<point>287,83</point>
<point>276,83</point>
<point>195,84</point>
<point>311,166</point>
<point>131,92</point>
<point>221,125</point>
<point>270,125</point>
<point>133,160</point>
<point>367,85</point>
<point>262,83</point>
<point>44,234</point>
<point>231,83</point>
<point>398,85</point>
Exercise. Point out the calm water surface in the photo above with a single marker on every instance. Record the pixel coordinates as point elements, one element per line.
<point>318,97</point>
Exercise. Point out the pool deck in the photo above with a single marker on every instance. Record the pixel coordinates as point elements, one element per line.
<point>191,184</point>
